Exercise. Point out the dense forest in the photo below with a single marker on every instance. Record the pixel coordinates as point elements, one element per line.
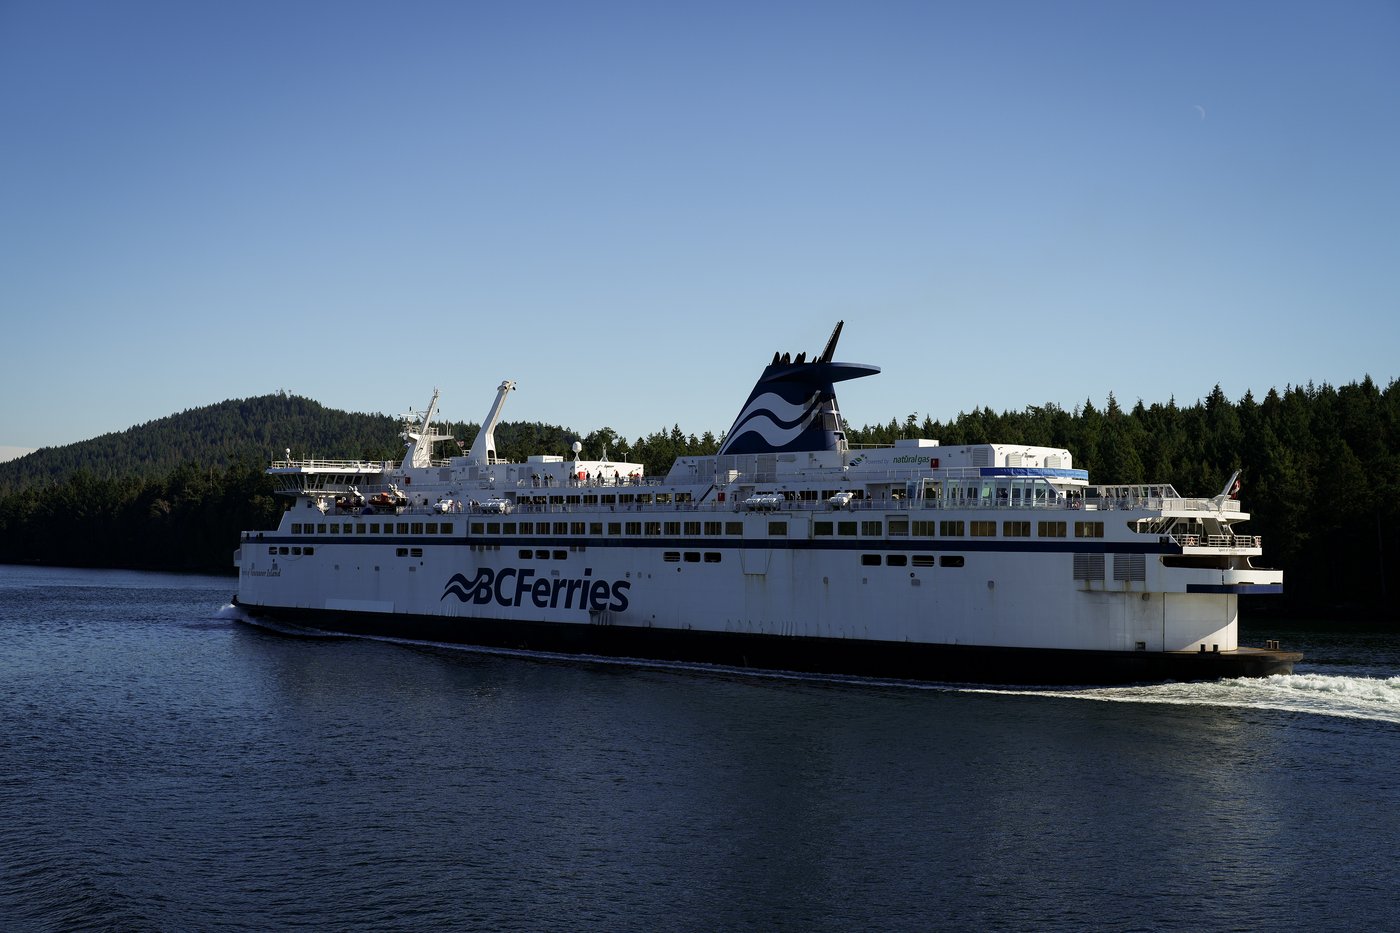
<point>215,435</point>
<point>1320,471</point>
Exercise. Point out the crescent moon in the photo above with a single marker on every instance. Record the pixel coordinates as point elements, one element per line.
<point>1201,109</point>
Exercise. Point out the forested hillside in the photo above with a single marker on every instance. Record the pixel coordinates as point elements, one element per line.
<point>1321,475</point>
<point>215,435</point>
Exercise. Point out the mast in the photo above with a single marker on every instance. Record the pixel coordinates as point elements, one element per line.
<point>484,447</point>
<point>420,436</point>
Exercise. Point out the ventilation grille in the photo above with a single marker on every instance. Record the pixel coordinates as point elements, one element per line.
<point>1088,566</point>
<point>1130,567</point>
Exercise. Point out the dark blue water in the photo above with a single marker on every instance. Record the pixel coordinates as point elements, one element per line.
<point>165,766</point>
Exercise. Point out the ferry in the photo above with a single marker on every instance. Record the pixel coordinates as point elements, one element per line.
<point>788,550</point>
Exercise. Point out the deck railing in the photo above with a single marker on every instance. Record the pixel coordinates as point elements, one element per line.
<point>1231,541</point>
<point>343,466</point>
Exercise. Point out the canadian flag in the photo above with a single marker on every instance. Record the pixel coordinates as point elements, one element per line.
<point>1235,490</point>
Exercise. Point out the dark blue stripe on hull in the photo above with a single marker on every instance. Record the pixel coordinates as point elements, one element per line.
<point>899,660</point>
<point>1246,589</point>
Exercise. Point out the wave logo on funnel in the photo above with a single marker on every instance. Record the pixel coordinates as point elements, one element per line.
<point>776,420</point>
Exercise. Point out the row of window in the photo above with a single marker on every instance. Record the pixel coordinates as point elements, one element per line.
<point>870,528</point>
<point>693,529</point>
<point>905,560</point>
<point>527,554</point>
<point>308,550</point>
<point>953,528</point>
<point>715,557</point>
<point>372,528</point>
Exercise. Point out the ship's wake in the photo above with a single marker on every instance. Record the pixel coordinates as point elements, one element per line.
<point>1373,698</point>
<point>1358,696</point>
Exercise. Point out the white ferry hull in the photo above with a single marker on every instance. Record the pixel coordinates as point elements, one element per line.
<point>807,655</point>
<point>785,550</point>
<point>1003,616</point>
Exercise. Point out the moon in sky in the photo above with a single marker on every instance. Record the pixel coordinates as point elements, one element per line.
<point>1201,109</point>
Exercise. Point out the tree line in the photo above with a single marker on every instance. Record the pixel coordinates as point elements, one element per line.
<point>1320,471</point>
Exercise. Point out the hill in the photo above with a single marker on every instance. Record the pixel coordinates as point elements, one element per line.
<point>238,430</point>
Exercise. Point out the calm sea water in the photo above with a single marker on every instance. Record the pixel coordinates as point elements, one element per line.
<point>166,766</point>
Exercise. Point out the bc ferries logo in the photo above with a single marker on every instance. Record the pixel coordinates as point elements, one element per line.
<point>776,420</point>
<point>511,586</point>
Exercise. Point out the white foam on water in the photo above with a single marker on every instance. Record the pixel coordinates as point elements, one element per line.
<point>237,614</point>
<point>1373,698</point>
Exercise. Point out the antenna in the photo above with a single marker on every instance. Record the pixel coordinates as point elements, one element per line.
<point>830,350</point>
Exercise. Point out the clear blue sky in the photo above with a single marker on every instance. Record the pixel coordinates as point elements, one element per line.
<point>627,207</point>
